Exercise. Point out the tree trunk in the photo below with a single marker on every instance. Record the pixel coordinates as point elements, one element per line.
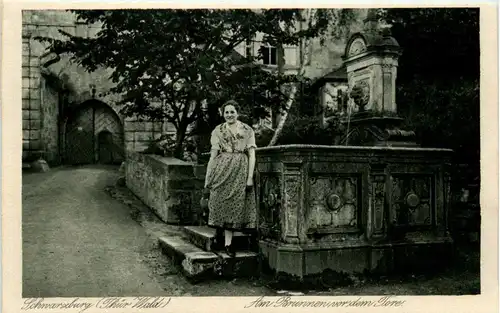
<point>280,56</point>
<point>306,53</point>
<point>179,140</point>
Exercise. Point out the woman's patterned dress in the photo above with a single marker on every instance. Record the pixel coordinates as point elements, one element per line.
<point>230,205</point>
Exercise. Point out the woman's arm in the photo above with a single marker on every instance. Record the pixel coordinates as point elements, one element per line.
<point>251,166</point>
<point>251,156</point>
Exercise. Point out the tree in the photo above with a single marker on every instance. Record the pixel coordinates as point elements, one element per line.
<point>438,76</point>
<point>167,63</point>
<point>312,21</point>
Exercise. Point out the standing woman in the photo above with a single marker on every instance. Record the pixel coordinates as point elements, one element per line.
<point>232,205</point>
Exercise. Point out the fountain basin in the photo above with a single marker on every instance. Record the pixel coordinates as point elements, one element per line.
<point>352,208</point>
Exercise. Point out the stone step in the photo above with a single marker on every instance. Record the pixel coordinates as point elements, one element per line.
<point>203,236</point>
<point>198,265</point>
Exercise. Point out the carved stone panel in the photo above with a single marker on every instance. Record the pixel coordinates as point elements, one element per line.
<point>269,206</point>
<point>291,204</point>
<point>412,200</point>
<point>357,46</point>
<point>377,198</point>
<point>333,201</point>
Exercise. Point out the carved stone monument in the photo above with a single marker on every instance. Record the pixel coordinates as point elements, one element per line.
<point>376,203</point>
<point>371,60</point>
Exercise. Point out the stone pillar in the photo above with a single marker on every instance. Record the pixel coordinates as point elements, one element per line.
<point>372,59</point>
<point>376,225</point>
<point>292,206</point>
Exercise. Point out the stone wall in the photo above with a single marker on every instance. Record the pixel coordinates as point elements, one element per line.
<point>326,57</point>
<point>170,187</point>
<point>43,123</point>
<point>49,122</point>
<point>138,134</point>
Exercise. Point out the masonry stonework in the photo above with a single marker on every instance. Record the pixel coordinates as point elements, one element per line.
<point>53,87</point>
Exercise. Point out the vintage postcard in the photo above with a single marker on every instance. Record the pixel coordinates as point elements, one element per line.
<point>228,157</point>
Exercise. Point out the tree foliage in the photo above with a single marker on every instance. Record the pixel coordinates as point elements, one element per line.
<point>167,63</point>
<point>438,76</point>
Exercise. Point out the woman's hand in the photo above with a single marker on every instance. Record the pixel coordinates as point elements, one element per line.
<point>249,186</point>
<point>206,192</point>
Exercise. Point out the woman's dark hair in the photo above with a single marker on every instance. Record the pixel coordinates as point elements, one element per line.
<point>230,102</point>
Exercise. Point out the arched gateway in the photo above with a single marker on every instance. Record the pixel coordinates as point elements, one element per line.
<point>93,134</point>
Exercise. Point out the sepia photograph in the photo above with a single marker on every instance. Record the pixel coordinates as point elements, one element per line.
<point>250,152</point>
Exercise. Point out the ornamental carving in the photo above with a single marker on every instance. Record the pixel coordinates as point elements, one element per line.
<point>334,201</point>
<point>270,206</point>
<point>412,200</point>
<point>357,46</point>
<point>378,202</point>
<point>291,203</point>
<point>360,94</point>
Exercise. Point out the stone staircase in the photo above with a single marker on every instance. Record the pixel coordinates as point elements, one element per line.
<point>192,252</point>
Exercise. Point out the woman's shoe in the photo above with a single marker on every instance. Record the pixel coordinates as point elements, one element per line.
<point>230,251</point>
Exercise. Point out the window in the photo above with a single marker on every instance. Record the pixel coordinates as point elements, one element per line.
<point>270,55</point>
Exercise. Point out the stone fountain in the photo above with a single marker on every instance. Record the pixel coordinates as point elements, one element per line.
<point>377,203</point>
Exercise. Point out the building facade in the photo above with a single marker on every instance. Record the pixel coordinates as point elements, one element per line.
<point>70,116</point>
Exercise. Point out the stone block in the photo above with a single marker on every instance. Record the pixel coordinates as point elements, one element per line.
<point>129,136</point>
<point>34,93</point>
<point>34,104</point>
<point>35,144</point>
<point>34,61</point>
<point>203,237</point>
<point>92,31</point>
<point>291,262</point>
<point>34,71</point>
<point>243,264</point>
<point>26,60</point>
<point>140,126</point>
<point>40,166</point>
<point>129,145</point>
<point>195,263</point>
<point>127,126</point>
<point>34,134</point>
<point>26,16</point>
<point>25,104</point>
<point>181,184</point>
<point>142,136</point>
<point>81,30</point>
<point>26,48</point>
<point>25,71</point>
<point>32,114</point>
<point>34,82</point>
<point>200,171</point>
<point>158,126</point>
<point>26,82</point>
<point>70,30</point>
<point>26,93</point>
<point>26,114</point>
<point>345,259</point>
<point>43,31</point>
<point>149,177</point>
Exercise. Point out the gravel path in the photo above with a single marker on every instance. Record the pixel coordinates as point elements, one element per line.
<point>78,241</point>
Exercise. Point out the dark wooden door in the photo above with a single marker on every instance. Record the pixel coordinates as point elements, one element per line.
<point>105,146</point>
